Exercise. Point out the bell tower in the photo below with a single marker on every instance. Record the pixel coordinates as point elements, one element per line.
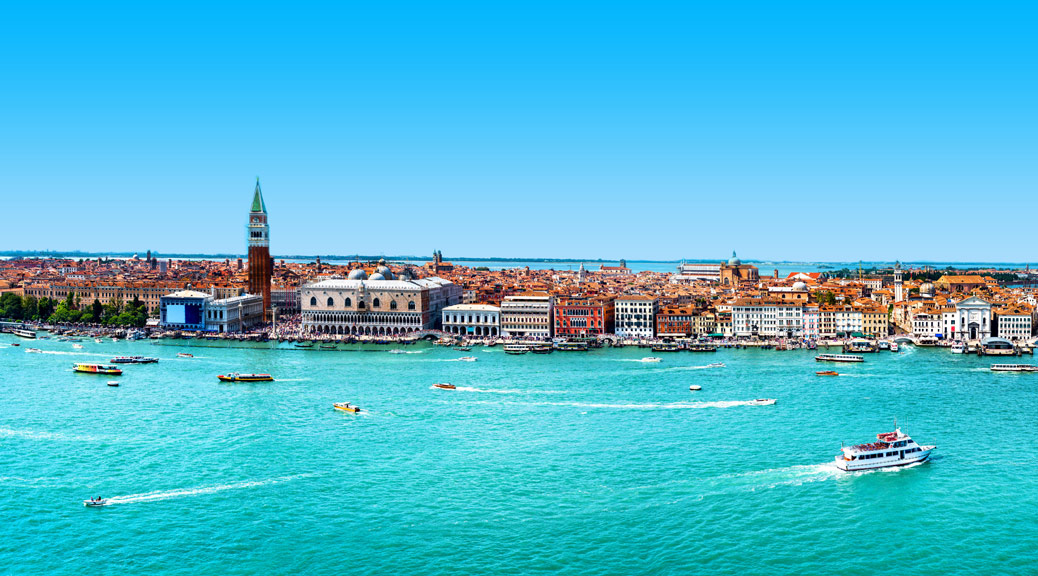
<point>899,288</point>
<point>258,241</point>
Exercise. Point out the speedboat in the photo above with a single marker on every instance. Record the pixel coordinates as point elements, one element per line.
<point>98,340</point>
<point>445,386</point>
<point>184,355</point>
<point>345,407</point>
<point>77,346</point>
<point>651,359</point>
<point>113,383</point>
<point>397,351</point>
<point>695,387</point>
<point>716,365</point>
<point>97,369</point>
<point>467,359</point>
<point>894,347</point>
<point>15,344</point>
<point>958,347</point>
<point>236,377</point>
<point>95,502</point>
<point>34,350</point>
<point>827,373</point>
<point>762,402</point>
<point>891,449</point>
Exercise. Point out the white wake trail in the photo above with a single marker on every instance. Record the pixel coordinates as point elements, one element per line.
<point>171,494</point>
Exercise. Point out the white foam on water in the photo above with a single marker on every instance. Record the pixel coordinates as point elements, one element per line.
<point>38,435</point>
<point>185,492</point>
<point>64,353</point>
<point>653,406</point>
<point>291,379</point>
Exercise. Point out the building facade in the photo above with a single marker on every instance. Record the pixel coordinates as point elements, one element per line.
<point>972,319</point>
<point>184,310</point>
<point>584,316</point>
<point>636,317</point>
<point>234,314</point>
<point>527,315</point>
<point>478,320</point>
<point>376,306</point>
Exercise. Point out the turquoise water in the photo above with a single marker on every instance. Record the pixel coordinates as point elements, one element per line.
<point>571,463</point>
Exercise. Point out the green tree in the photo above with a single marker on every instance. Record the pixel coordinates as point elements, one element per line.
<point>45,307</point>
<point>30,311</point>
<point>11,306</point>
<point>96,310</point>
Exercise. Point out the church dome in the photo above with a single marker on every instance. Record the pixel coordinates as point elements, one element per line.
<point>926,288</point>
<point>377,276</point>
<point>799,286</point>
<point>734,260</point>
<point>358,274</point>
<point>384,271</point>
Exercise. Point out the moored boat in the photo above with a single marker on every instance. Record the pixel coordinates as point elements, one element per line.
<point>839,358</point>
<point>958,347</point>
<point>97,369</point>
<point>236,377</point>
<point>345,407</point>
<point>542,349</point>
<point>666,347</point>
<point>891,449</point>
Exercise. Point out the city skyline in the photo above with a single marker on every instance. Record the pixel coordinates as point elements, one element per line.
<point>806,134</point>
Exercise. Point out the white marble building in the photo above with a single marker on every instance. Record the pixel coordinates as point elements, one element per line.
<point>478,320</point>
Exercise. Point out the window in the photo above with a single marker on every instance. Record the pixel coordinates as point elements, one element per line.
<point>349,302</point>
<point>392,305</point>
<point>375,303</point>
<point>313,300</point>
<point>410,305</point>
<point>330,301</point>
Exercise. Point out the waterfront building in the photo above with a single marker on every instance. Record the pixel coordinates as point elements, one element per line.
<point>768,318</point>
<point>636,316</point>
<point>478,320</point>
<point>1015,322</point>
<point>527,315</point>
<point>285,298</point>
<point>584,316</point>
<point>874,321</point>
<point>734,272</point>
<point>184,310</point>
<point>810,320</point>
<point>234,314</point>
<point>972,319</point>
<point>380,305</point>
<point>838,321</point>
<point>928,323</point>
<point>261,265</point>
<point>676,321</point>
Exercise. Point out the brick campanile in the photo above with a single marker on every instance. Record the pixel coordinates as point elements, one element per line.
<point>260,264</point>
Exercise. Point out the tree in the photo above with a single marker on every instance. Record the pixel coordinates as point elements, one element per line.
<point>96,310</point>
<point>11,306</point>
<point>29,308</point>
<point>45,307</point>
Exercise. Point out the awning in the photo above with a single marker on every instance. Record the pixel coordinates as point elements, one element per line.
<point>857,335</point>
<point>715,335</point>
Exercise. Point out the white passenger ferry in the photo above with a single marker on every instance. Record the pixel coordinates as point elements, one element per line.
<point>839,358</point>
<point>891,449</point>
<point>1014,368</point>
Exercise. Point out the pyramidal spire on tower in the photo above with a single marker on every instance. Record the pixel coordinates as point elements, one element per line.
<point>257,199</point>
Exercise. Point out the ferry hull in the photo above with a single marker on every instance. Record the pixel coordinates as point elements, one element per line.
<point>849,466</point>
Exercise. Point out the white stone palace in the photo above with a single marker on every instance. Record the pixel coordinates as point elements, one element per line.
<point>379,306</point>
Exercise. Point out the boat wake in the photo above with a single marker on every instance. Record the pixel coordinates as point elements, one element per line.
<point>405,351</point>
<point>171,494</point>
<point>685,368</point>
<point>652,406</point>
<point>33,435</point>
<point>64,353</point>
<point>293,380</point>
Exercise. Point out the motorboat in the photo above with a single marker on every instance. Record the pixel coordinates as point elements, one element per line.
<point>716,365</point>
<point>958,347</point>
<point>827,373</point>
<point>95,502</point>
<point>467,359</point>
<point>184,355</point>
<point>113,383</point>
<point>15,344</point>
<point>883,345</point>
<point>890,449</point>
<point>651,359</point>
<point>445,386</point>
<point>463,348</point>
<point>345,407</point>
<point>97,369</point>
<point>516,348</point>
<point>77,346</point>
<point>762,402</point>
<point>133,360</point>
<point>236,377</point>
<point>839,358</point>
<point>397,351</point>
<point>894,347</point>
<point>98,341</point>
<point>695,387</point>
<point>34,350</point>
<point>1014,368</point>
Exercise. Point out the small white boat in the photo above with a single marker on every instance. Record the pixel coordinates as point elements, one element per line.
<point>894,347</point>
<point>34,350</point>
<point>651,359</point>
<point>716,365</point>
<point>77,346</point>
<point>958,347</point>
<point>396,351</point>
<point>95,502</point>
<point>695,387</point>
<point>762,402</point>
<point>467,359</point>
<point>113,383</point>
<point>97,340</point>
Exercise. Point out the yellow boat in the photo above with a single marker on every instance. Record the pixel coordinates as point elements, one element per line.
<point>345,407</point>
<point>235,377</point>
<point>97,369</point>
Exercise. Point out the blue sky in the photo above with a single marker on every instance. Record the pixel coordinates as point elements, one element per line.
<point>816,131</point>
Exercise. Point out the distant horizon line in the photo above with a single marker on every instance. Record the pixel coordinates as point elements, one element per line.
<point>410,257</point>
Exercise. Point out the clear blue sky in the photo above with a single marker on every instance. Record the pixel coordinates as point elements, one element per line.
<point>825,131</point>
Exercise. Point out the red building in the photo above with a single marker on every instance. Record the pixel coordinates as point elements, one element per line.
<point>584,316</point>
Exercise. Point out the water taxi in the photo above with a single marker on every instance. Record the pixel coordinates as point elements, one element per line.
<point>345,407</point>
<point>1014,368</point>
<point>445,386</point>
<point>958,347</point>
<point>184,355</point>
<point>97,369</point>
<point>651,359</point>
<point>98,341</point>
<point>695,387</point>
<point>77,346</point>
<point>467,359</point>
<point>827,373</point>
<point>894,347</point>
<point>236,377</point>
<point>839,358</point>
<point>762,402</point>
<point>516,348</point>
<point>891,449</point>
<point>95,502</point>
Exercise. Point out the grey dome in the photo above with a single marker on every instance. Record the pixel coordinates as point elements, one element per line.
<point>799,286</point>
<point>734,260</point>
<point>376,276</point>
<point>358,274</point>
<point>385,272</point>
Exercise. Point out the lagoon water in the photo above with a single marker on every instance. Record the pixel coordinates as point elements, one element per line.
<point>569,463</point>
